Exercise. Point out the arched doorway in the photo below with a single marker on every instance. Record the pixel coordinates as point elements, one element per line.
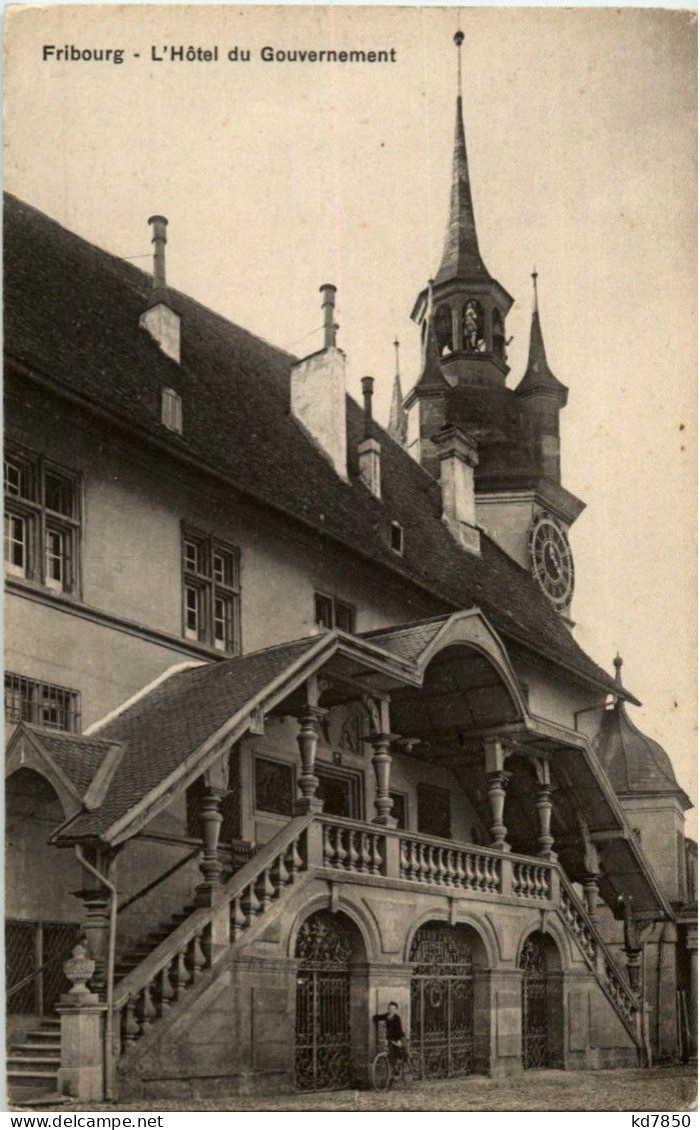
<point>541,1002</point>
<point>326,947</point>
<point>42,918</point>
<point>447,984</point>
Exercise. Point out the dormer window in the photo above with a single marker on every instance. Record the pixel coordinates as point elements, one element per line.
<point>171,410</point>
<point>397,538</point>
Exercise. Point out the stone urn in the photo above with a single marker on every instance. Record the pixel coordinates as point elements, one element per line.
<point>79,968</point>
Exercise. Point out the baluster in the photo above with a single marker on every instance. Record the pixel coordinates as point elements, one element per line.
<point>280,875</point>
<point>327,846</point>
<point>166,990</point>
<point>365,852</point>
<point>460,872</point>
<point>148,1011</point>
<point>353,853</point>
<point>376,855</point>
<point>293,860</point>
<point>404,859</point>
<point>451,877</point>
<point>266,891</point>
<point>340,852</point>
<point>182,973</point>
<point>198,958</point>
<point>425,863</point>
<point>433,854</point>
<point>479,861</point>
<point>238,918</point>
<point>131,1025</point>
<point>491,874</point>
<point>469,872</point>
<point>413,862</point>
<point>251,903</point>
<point>442,871</point>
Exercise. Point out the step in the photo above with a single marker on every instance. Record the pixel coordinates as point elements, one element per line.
<point>33,1063</point>
<point>37,1049</point>
<point>29,1077</point>
<point>43,1036</point>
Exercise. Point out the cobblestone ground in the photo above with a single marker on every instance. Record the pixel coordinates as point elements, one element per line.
<point>658,1089</point>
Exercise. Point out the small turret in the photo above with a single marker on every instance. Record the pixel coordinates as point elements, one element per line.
<point>544,395</point>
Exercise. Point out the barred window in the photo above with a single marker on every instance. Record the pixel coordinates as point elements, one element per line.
<point>211,592</point>
<point>43,704</point>
<point>331,613</point>
<point>42,522</point>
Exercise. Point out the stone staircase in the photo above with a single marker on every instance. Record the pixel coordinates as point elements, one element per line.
<point>32,1066</point>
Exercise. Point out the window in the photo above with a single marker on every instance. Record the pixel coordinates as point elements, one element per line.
<point>340,793</point>
<point>42,522</point>
<point>433,811</point>
<point>171,410</point>
<point>211,592</point>
<point>274,787</point>
<point>397,538</point>
<point>331,613</point>
<point>399,810</point>
<point>43,704</point>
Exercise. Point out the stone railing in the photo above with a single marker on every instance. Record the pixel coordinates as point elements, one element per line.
<point>314,844</point>
<point>364,851</point>
<point>175,966</point>
<point>422,860</point>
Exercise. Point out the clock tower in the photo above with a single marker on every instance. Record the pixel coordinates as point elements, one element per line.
<point>520,501</point>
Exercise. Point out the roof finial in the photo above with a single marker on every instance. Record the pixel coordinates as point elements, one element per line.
<point>536,306</point>
<point>618,669</point>
<point>459,40</point>
<point>396,350</point>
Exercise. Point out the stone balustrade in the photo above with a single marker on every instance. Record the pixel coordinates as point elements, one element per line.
<point>424,861</point>
<point>532,880</point>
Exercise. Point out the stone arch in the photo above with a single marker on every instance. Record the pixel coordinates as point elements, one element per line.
<point>540,962</point>
<point>450,997</point>
<point>39,879</point>
<point>332,1001</point>
<point>359,917</point>
<point>488,954</point>
<point>558,945</point>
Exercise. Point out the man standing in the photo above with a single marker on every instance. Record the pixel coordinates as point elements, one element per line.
<point>395,1034</point>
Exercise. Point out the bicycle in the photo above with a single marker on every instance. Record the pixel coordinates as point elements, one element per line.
<point>406,1069</point>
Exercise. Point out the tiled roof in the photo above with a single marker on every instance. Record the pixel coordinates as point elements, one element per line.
<point>78,757</point>
<point>408,641</point>
<point>71,318</point>
<point>159,731</point>
<point>634,762</point>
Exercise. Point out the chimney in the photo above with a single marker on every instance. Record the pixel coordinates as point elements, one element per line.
<point>159,317</point>
<point>369,450</point>
<point>317,390</point>
<point>458,457</point>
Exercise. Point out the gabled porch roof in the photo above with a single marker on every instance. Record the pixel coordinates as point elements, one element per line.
<point>451,686</point>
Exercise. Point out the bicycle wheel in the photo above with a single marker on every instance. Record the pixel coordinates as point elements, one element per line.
<point>381,1072</point>
<point>414,1067</point>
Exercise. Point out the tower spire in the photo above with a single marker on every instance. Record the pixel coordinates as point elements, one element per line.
<point>461,257</point>
<point>398,417</point>
<point>538,376</point>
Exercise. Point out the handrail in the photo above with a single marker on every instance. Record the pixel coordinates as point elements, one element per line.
<point>436,841</point>
<point>192,926</point>
<point>156,882</point>
<point>35,973</point>
<point>603,946</point>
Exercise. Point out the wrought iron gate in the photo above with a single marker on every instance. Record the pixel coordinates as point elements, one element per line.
<point>535,1004</point>
<point>442,1001</point>
<point>322,1038</point>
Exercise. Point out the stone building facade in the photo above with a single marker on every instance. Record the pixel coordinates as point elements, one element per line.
<point>297,723</point>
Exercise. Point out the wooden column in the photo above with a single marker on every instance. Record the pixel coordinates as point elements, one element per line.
<point>215,789</point>
<point>497,782</point>
<point>95,922</point>
<point>590,893</point>
<point>307,740</point>
<point>544,808</point>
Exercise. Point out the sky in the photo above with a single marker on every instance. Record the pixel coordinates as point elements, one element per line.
<point>278,177</point>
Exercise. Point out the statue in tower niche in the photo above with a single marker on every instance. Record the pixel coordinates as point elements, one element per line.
<point>473,327</point>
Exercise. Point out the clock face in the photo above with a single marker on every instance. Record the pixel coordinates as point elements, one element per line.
<point>551,560</point>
